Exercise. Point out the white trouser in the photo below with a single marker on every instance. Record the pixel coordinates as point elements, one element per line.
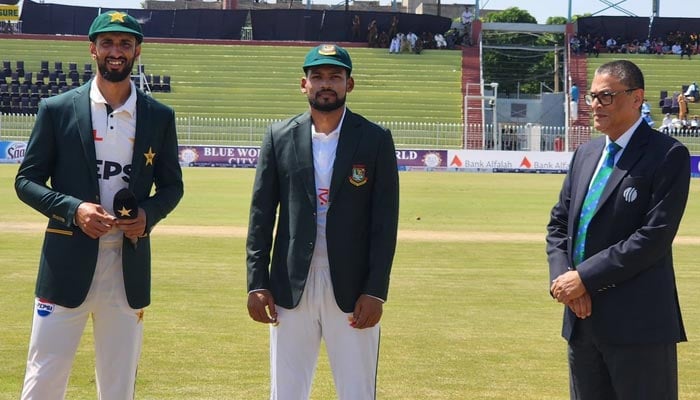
<point>56,333</point>
<point>295,342</point>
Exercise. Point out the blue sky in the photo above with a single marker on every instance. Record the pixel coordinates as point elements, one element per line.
<point>540,9</point>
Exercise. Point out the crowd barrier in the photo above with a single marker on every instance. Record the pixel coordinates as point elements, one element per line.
<point>233,142</point>
<point>193,130</point>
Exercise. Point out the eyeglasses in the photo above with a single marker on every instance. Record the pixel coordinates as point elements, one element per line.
<point>605,98</point>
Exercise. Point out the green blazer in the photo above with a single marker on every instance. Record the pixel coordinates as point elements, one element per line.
<point>59,172</point>
<point>362,217</point>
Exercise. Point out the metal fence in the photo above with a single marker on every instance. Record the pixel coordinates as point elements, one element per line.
<point>420,135</point>
<point>525,137</point>
<point>249,131</point>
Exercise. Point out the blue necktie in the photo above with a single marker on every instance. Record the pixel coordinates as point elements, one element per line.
<point>591,202</point>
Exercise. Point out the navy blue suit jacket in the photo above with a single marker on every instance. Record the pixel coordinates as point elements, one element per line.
<point>628,270</point>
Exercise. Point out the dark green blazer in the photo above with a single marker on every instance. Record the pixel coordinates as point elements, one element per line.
<point>361,221</point>
<point>59,172</point>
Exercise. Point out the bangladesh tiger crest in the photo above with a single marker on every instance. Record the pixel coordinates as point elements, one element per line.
<point>359,175</point>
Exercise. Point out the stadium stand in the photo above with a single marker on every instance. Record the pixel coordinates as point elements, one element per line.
<point>6,68</point>
<point>262,81</point>
<point>27,87</point>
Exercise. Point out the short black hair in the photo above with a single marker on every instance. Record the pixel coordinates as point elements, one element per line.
<point>628,72</point>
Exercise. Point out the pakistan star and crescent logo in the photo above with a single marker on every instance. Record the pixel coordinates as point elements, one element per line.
<point>149,156</point>
<point>117,17</point>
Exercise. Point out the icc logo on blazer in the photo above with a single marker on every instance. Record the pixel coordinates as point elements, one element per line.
<point>630,194</point>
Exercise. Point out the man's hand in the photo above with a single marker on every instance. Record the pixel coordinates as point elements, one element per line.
<point>133,228</point>
<point>567,287</point>
<point>368,312</point>
<point>581,306</point>
<point>261,307</point>
<point>92,219</point>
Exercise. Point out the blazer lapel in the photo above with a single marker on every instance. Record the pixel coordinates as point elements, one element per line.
<point>141,139</point>
<point>301,137</point>
<point>633,152</point>
<point>350,137</point>
<point>84,122</point>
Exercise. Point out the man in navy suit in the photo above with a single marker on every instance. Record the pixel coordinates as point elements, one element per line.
<point>87,145</point>
<point>609,248</point>
<point>328,180</point>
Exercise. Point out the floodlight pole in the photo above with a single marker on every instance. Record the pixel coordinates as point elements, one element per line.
<point>140,69</point>
<point>556,68</point>
<point>496,136</point>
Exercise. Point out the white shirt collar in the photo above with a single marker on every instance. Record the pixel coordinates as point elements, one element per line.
<point>129,105</point>
<point>332,134</point>
<point>623,140</point>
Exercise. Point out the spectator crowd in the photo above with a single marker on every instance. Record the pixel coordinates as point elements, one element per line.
<point>403,42</point>
<point>676,43</point>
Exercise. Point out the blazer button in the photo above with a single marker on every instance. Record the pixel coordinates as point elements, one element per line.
<point>311,245</point>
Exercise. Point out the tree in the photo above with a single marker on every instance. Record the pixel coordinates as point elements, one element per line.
<point>556,21</point>
<point>513,60</point>
<point>512,14</point>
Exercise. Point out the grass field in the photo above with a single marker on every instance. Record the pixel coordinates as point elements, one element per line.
<point>468,316</point>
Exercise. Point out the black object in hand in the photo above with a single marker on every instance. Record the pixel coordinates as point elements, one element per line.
<point>126,207</point>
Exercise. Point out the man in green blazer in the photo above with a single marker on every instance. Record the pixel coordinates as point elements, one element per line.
<point>87,145</point>
<point>327,180</point>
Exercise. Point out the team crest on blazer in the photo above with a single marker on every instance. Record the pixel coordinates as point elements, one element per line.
<point>359,175</point>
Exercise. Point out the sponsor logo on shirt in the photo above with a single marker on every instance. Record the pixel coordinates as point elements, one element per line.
<point>44,308</point>
<point>323,196</point>
<point>107,170</point>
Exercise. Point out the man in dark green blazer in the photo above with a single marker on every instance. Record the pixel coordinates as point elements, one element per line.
<point>327,180</point>
<point>88,144</point>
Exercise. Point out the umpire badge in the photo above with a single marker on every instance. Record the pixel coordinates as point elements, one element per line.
<point>359,175</point>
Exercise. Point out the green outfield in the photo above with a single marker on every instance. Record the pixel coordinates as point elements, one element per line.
<point>468,317</point>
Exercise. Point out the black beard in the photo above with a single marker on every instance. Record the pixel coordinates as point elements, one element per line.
<point>327,107</point>
<point>115,76</point>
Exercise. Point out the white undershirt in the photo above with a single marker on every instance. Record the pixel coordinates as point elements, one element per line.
<point>114,147</point>
<point>324,147</point>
